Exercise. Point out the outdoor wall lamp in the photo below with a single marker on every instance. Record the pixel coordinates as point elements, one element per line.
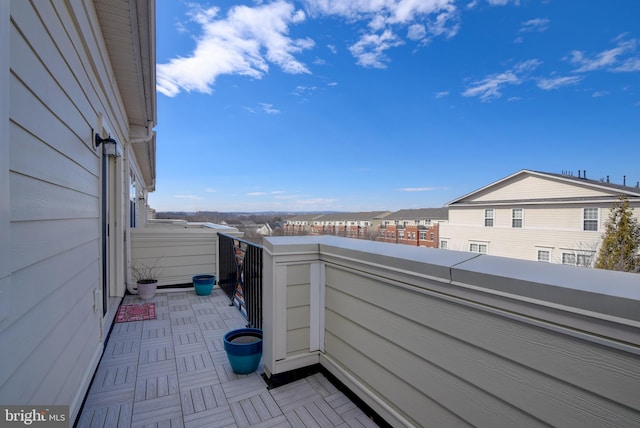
<point>110,145</point>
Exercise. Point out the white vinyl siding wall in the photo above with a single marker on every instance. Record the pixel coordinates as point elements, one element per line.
<point>532,187</point>
<point>551,226</point>
<point>52,337</point>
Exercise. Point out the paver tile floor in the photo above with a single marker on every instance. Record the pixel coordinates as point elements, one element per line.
<point>173,372</point>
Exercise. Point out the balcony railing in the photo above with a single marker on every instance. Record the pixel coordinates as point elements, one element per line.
<point>430,337</point>
<point>241,276</point>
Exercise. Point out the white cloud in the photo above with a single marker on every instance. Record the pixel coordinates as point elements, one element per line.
<point>490,87</point>
<point>502,2</point>
<point>333,49</point>
<point>442,94</point>
<point>269,109</point>
<point>599,94</point>
<point>243,43</point>
<point>319,202</point>
<point>416,32</point>
<point>629,65</point>
<point>526,66</point>
<point>257,193</point>
<point>421,18</point>
<point>538,25</point>
<point>369,50</point>
<point>606,59</point>
<point>303,91</point>
<point>558,82</point>
<point>210,190</point>
<point>192,197</point>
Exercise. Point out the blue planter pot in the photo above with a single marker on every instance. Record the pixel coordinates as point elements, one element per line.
<point>203,284</point>
<point>244,349</point>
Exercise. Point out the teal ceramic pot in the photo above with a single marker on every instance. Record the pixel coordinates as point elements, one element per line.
<point>244,349</point>
<point>203,284</point>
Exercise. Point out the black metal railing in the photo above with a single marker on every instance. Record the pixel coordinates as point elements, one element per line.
<point>241,276</point>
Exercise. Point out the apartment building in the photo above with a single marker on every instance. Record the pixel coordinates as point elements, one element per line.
<point>531,215</point>
<point>417,227</point>
<point>359,225</point>
<point>299,225</point>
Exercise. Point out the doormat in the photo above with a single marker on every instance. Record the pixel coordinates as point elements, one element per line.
<point>141,312</point>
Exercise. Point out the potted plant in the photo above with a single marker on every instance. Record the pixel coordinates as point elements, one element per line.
<point>244,349</point>
<point>203,284</point>
<point>146,278</point>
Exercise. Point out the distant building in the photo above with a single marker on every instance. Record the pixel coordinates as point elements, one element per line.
<point>535,216</point>
<point>360,225</point>
<point>299,224</point>
<point>265,230</point>
<point>416,227</point>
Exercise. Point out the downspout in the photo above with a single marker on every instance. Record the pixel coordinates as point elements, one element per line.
<point>144,139</point>
<point>147,137</point>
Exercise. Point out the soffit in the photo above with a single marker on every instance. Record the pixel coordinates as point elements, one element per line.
<point>128,30</point>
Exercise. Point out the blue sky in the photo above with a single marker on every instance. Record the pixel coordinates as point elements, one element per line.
<point>367,105</point>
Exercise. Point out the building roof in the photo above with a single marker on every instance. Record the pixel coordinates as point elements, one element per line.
<point>608,190</point>
<point>358,216</point>
<point>304,217</point>
<point>420,214</point>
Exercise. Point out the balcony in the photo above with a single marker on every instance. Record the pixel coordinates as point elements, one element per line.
<point>423,337</point>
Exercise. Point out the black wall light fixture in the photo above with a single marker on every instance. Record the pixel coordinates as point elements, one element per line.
<point>109,147</point>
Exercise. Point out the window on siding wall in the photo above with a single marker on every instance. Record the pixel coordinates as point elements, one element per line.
<point>544,255</point>
<point>516,217</point>
<point>476,247</point>
<point>590,219</point>
<point>488,217</point>
<point>584,259</point>
<point>444,244</point>
<point>568,259</point>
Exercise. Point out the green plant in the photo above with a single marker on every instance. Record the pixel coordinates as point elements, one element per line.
<point>142,272</point>
<point>621,239</point>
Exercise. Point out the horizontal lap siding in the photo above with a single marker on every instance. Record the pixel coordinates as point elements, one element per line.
<point>53,334</point>
<point>530,187</point>
<point>554,227</point>
<point>449,361</point>
<point>298,291</point>
<point>178,255</point>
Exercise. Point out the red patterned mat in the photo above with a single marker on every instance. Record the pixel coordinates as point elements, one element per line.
<point>145,311</point>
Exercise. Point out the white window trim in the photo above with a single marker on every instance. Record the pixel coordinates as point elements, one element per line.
<point>547,250</point>
<point>446,241</point>
<point>493,217</point>
<point>521,218</point>
<point>597,219</point>
<point>576,254</point>
<point>485,243</point>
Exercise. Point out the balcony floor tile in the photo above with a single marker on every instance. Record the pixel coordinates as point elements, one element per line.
<point>173,371</point>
